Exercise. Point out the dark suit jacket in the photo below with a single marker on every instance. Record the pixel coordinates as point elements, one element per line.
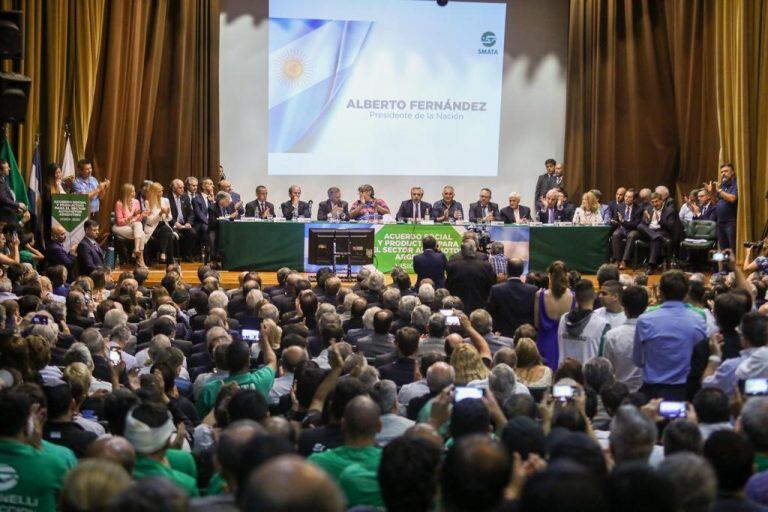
<point>511,305</point>
<point>324,210</point>
<point>8,205</point>
<point>631,223</point>
<point>476,211</point>
<point>669,222</point>
<point>252,208</point>
<point>430,264</point>
<point>710,214</point>
<point>508,216</point>
<point>544,184</point>
<point>186,209</point>
<point>287,209</point>
<point>543,215</point>
<point>408,211</point>
<point>89,256</point>
<point>57,254</point>
<point>214,212</point>
<point>200,210</point>
<point>470,280</point>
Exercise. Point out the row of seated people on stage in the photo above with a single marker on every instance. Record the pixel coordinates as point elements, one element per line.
<point>191,210</point>
<point>414,396</point>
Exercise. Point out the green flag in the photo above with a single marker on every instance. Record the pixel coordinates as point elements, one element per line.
<point>15,180</point>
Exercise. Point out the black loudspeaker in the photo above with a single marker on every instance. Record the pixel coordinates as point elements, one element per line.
<point>14,93</point>
<point>11,30</point>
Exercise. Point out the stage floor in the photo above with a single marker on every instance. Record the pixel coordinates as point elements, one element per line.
<point>229,278</point>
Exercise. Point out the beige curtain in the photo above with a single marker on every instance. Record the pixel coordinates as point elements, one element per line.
<point>742,87</point>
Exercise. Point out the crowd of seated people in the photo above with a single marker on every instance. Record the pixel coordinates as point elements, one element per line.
<point>469,388</point>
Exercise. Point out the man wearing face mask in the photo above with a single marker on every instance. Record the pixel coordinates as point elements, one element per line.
<point>28,476</point>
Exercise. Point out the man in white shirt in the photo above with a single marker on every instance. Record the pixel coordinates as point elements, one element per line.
<point>619,341</point>
<point>610,296</point>
<point>580,333</point>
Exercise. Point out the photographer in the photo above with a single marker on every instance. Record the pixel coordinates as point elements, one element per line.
<point>760,263</point>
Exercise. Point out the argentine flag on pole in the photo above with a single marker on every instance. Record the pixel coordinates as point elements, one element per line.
<point>309,60</point>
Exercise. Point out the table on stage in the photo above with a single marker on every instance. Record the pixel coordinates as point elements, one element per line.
<point>268,246</point>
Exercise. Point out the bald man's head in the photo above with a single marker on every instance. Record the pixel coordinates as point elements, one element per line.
<point>291,484</point>
<point>229,449</point>
<point>115,448</point>
<point>278,426</point>
<point>439,376</point>
<point>293,358</point>
<point>361,420</point>
<point>454,341</point>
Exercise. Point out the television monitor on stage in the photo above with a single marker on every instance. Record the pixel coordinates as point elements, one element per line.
<point>357,243</point>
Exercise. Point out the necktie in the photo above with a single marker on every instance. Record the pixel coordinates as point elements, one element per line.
<point>626,214</point>
<point>261,208</point>
<point>485,212</point>
<point>417,209</point>
<point>179,212</point>
<point>517,215</point>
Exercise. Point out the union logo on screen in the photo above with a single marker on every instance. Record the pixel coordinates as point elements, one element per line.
<point>488,39</point>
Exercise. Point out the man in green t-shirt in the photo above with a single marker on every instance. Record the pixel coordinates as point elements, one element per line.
<point>30,478</point>
<point>149,428</point>
<point>355,464</point>
<point>238,359</point>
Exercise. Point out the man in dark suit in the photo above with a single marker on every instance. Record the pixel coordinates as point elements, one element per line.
<point>626,219</point>
<point>200,204</point>
<point>181,217</point>
<point>484,210</point>
<point>414,208</point>
<point>57,254</point>
<point>616,204</point>
<point>334,208</point>
<point>511,303</point>
<point>294,208</point>
<point>431,263</point>
<point>514,213</point>
<point>260,207</point>
<point>659,225</point>
<point>545,182</point>
<point>552,209</point>
<point>226,186</point>
<point>89,254</point>
<point>221,211</point>
<point>9,207</point>
<point>470,278</point>
<point>705,210</point>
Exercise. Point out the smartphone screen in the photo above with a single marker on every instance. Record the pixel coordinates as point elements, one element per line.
<point>250,335</point>
<point>756,387</point>
<point>672,409</point>
<point>563,392</point>
<point>464,392</point>
<point>452,320</point>
<point>446,312</point>
<point>114,356</point>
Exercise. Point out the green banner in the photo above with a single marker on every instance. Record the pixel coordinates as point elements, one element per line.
<point>70,211</point>
<point>395,245</point>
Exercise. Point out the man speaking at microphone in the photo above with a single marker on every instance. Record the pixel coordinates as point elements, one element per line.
<point>294,208</point>
<point>414,208</point>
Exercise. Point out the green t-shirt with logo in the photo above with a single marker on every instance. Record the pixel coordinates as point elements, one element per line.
<point>30,479</point>
<point>146,467</point>
<point>261,380</point>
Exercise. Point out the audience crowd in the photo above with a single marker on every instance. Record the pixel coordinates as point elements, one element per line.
<point>474,387</point>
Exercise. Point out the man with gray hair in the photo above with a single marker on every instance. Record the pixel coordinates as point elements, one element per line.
<point>502,381</point>
<point>439,376</point>
<point>420,318</point>
<point>405,307</point>
<point>119,337</point>
<point>633,435</point>
<point>334,208</point>
<point>93,339</point>
<point>390,298</point>
<point>436,333</point>
<point>514,213</point>
<point>498,260</point>
<point>294,208</point>
<point>221,210</point>
<point>426,294</point>
<point>694,481</point>
<point>353,335</point>
<point>384,393</point>
<point>483,323</point>
<point>181,217</point>
<point>470,278</point>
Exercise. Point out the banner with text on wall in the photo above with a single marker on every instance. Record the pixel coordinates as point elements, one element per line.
<point>70,211</point>
<point>396,244</point>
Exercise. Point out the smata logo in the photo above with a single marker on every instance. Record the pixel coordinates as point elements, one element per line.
<point>8,477</point>
<point>489,40</point>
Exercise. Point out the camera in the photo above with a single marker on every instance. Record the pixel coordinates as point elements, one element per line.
<point>483,237</point>
<point>756,245</point>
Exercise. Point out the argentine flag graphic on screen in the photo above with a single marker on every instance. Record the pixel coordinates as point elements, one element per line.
<point>309,61</point>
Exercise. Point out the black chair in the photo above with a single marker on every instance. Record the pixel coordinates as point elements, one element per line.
<point>667,252</point>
